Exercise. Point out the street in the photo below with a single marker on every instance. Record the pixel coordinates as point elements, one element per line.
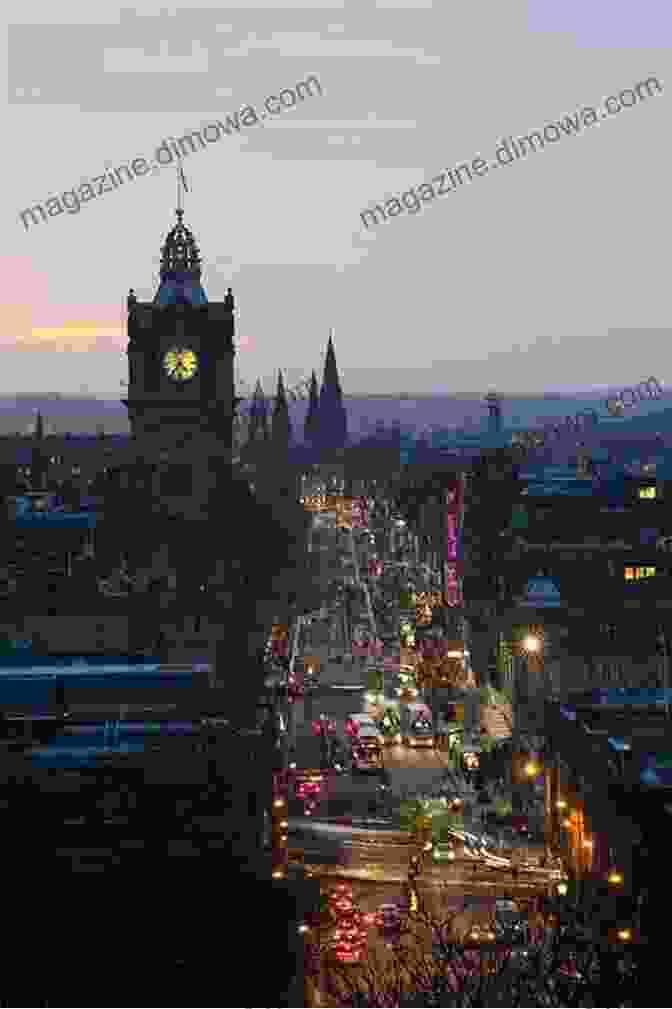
<point>354,799</point>
<point>350,831</point>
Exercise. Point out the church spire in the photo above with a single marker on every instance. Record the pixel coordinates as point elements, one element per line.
<point>333,420</point>
<point>38,456</point>
<point>330,377</point>
<point>258,427</point>
<point>311,423</point>
<point>282,424</point>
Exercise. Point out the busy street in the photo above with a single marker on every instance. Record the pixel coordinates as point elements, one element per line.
<point>412,788</point>
<point>350,782</point>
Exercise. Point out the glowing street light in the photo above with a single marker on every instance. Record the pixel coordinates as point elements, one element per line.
<point>561,804</point>
<point>531,643</point>
<point>562,889</point>
<point>615,878</point>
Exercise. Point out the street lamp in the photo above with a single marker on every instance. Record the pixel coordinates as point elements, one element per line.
<point>531,643</point>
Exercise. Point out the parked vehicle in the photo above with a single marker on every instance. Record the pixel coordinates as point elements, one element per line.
<point>362,726</point>
<point>417,727</point>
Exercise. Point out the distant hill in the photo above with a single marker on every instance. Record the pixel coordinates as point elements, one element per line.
<point>85,414</point>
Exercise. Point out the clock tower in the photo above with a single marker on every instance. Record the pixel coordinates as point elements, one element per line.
<point>181,401</point>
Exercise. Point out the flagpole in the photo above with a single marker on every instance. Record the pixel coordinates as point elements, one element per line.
<point>181,185</point>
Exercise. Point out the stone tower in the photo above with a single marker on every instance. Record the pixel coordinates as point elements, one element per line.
<point>181,400</point>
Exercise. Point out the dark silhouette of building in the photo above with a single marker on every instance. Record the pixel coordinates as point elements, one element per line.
<point>311,423</point>
<point>333,425</point>
<point>494,413</point>
<point>282,425</point>
<point>181,361</point>
<point>258,429</point>
<point>39,459</point>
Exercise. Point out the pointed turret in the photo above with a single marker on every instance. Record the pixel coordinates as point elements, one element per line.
<point>311,423</point>
<point>333,420</point>
<point>282,424</point>
<point>258,426</point>
<point>180,271</point>
<point>39,466</point>
<point>494,412</point>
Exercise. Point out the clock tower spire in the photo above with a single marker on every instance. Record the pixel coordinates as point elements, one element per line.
<point>181,399</point>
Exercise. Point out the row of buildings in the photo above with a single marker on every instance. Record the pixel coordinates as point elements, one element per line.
<point>583,553</point>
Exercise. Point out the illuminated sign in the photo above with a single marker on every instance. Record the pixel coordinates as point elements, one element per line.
<point>454,503</point>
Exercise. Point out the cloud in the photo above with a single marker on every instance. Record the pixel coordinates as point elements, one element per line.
<point>31,320</point>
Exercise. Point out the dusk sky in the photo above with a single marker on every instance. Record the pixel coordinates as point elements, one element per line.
<point>550,274</point>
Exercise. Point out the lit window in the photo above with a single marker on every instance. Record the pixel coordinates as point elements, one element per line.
<point>637,573</point>
<point>647,492</point>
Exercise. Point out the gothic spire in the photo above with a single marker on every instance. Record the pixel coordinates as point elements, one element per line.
<point>258,427</point>
<point>282,424</point>
<point>311,423</point>
<point>333,420</point>
<point>330,377</point>
<point>38,456</point>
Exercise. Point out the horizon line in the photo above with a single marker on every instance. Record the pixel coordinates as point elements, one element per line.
<point>595,392</point>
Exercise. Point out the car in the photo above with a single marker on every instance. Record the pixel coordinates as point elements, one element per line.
<point>361,725</point>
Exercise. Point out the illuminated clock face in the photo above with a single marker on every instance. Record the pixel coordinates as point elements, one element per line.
<point>180,363</point>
